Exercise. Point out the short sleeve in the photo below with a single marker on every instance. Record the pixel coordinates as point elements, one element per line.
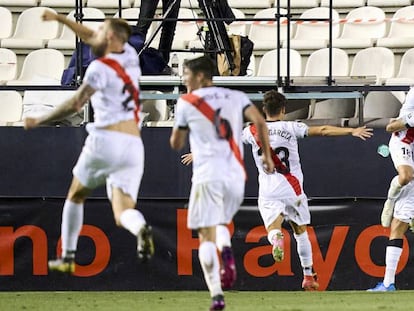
<point>94,76</point>
<point>300,129</point>
<point>179,116</point>
<point>246,135</point>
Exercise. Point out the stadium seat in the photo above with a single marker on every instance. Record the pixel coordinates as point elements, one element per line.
<point>67,39</point>
<point>344,3</point>
<point>405,73</point>
<point>264,35</point>
<point>238,28</point>
<point>59,3</point>
<point>156,110</point>
<point>23,3</point>
<point>298,3</point>
<point>401,33</point>
<point>318,63</point>
<point>108,4</point>
<point>131,14</point>
<point>8,65</point>
<point>331,111</point>
<point>268,63</point>
<point>388,3</point>
<point>6,23</point>
<point>37,103</point>
<point>41,67</point>
<point>379,108</point>
<point>244,4</point>
<point>314,35</point>
<point>362,34</point>
<point>374,61</point>
<point>31,32</point>
<point>10,107</point>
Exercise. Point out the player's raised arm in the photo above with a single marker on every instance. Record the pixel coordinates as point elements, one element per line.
<point>327,130</point>
<point>86,34</point>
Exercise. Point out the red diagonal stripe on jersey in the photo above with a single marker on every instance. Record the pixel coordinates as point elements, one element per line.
<point>279,166</point>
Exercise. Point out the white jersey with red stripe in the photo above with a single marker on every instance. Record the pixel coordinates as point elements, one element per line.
<point>283,139</point>
<point>213,158</point>
<point>111,102</point>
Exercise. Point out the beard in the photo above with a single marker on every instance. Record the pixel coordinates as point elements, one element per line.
<point>99,50</point>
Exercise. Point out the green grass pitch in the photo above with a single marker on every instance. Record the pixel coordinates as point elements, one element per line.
<point>199,300</point>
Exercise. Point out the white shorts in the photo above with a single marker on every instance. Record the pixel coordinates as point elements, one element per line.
<point>404,205</point>
<point>294,209</point>
<point>213,203</point>
<point>114,158</point>
<point>401,153</point>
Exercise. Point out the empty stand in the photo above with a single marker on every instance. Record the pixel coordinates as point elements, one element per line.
<point>401,33</point>
<point>268,63</point>
<point>374,61</point>
<point>331,111</point>
<point>182,56</point>
<point>10,107</point>
<point>362,34</point>
<point>388,3</point>
<point>314,36</point>
<point>379,108</point>
<point>264,35</point>
<point>43,66</point>
<point>8,65</point>
<point>23,3</point>
<point>238,28</point>
<point>59,3</point>
<point>37,103</point>
<point>405,73</point>
<point>31,32</point>
<point>131,14</point>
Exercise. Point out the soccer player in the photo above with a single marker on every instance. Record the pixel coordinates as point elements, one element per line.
<point>113,151</point>
<point>213,118</point>
<point>398,212</point>
<point>401,151</point>
<point>281,195</point>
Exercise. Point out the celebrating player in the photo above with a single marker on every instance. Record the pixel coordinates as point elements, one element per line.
<point>398,211</point>
<point>213,117</point>
<point>281,195</point>
<point>113,152</point>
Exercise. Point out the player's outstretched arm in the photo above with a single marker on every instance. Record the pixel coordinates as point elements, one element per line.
<point>86,34</point>
<point>67,108</point>
<point>327,130</point>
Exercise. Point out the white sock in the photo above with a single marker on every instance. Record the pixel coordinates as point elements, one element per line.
<point>132,220</point>
<point>207,254</point>
<point>222,237</point>
<point>392,256</point>
<point>304,249</point>
<point>72,221</point>
<point>272,233</point>
<point>395,189</point>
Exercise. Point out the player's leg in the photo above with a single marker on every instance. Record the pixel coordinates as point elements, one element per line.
<point>304,249</point>
<point>232,199</point>
<point>271,212</point>
<point>401,154</point>
<point>72,221</point>
<point>209,261</point>
<point>392,256</point>
<point>129,218</point>
<point>204,213</point>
